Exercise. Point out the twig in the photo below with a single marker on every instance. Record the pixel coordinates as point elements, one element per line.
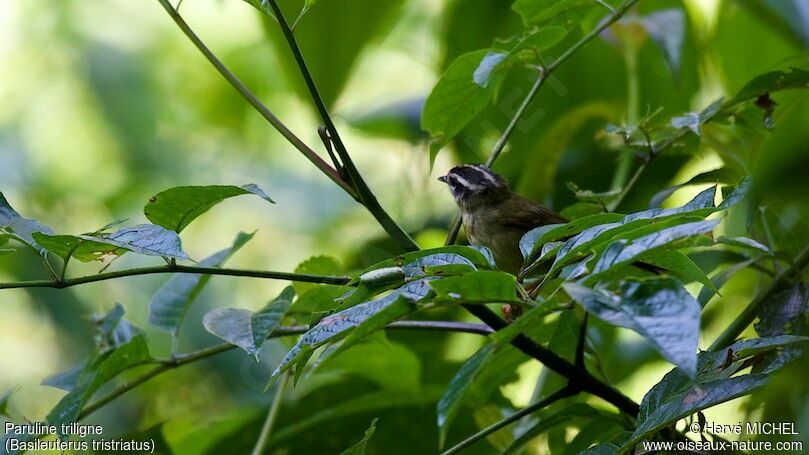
<point>564,392</point>
<point>267,274</point>
<point>184,359</point>
<point>543,75</point>
<point>366,196</point>
<point>310,154</point>
<point>752,310</point>
<point>579,362</point>
<point>266,429</point>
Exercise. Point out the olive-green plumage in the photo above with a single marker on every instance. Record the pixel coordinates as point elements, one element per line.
<point>493,215</point>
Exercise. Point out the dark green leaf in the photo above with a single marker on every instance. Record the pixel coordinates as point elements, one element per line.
<point>680,265</point>
<point>595,431</point>
<point>340,324</point>
<point>719,279</point>
<point>98,372</point>
<point>147,239</point>
<point>568,414</point>
<point>659,309</point>
<point>175,208</point>
<point>172,301</point>
<point>360,447</point>
<point>22,229</point>
<point>450,401</point>
<point>66,380</point>
<point>456,99</point>
<point>321,298</point>
<point>721,175</point>
<point>746,243</point>
<point>434,257</point>
<point>772,82</point>
<point>374,359</point>
<point>785,313</point>
<point>246,329</point>
<point>535,238</point>
<point>621,252</point>
<point>476,287</point>
<point>112,330</point>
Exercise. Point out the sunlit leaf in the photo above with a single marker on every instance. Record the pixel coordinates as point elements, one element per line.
<point>22,229</point>
<point>171,302</point>
<point>246,329</point>
<point>175,208</point>
<point>476,287</point>
<point>658,309</point>
<point>147,239</point>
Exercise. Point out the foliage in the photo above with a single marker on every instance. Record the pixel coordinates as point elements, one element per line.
<point>560,87</point>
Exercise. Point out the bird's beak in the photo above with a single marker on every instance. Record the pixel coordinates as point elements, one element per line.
<point>442,179</point>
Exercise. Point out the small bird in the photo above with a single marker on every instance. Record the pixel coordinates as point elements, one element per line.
<point>493,215</point>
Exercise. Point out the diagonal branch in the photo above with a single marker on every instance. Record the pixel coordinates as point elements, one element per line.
<point>366,196</point>
<point>540,81</point>
<point>296,142</point>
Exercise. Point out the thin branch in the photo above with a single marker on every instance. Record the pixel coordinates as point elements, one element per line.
<point>579,362</point>
<point>267,274</point>
<point>564,392</point>
<point>541,78</point>
<point>310,154</point>
<point>184,359</point>
<point>366,196</point>
<point>577,378</point>
<point>752,310</point>
<point>266,429</point>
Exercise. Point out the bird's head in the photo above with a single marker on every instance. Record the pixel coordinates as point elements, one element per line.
<point>473,184</point>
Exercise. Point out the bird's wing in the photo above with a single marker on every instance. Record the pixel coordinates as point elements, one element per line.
<point>525,214</point>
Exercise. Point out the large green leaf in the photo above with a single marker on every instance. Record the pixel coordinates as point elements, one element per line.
<point>450,401</point>
<point>659,309</point>
<point>340,324</point>
<point>246,329</point>
<point>535,238</point>
<point>677,395</point>
<point>476,287</point>
<point>456,99</point>
<point>175,208</point>
<point>172,301</point>
<point>147,239</point>
<point>22,229</point>
<point>785,313</point>
<point>680,265</point>
<point>316,265</point>
<point>625,252</point>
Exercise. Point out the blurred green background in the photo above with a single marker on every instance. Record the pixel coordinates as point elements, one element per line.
<point>103,104</point>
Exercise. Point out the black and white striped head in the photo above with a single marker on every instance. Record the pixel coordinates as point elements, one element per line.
<point>475,184</point>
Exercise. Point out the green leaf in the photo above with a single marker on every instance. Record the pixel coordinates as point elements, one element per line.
<point>597,430</point>
<point>573,413</point>
<point>746,243</point>
<point>772,82</point>
<point>340,324</point>
<point>146,239</point>
<point>450,401</point>
<point>171,302</point>
<point>65,246</point>
<point>785,313</point>
<point>112,330</point>
<point>98,372</point>
<point>659,309</point>
<point>22,229</point>
<point>719,279</point>
<point>677,395</point>
<point>535,238</point>
<point>316,265</point>
<point>360,447</point>
<point>476,287</point>
<point>374,359</point>
<point>694,120</point>
<point>175,208</point>
<point>246,329</point>
<point>322,298</point>
<point>456,99</point>
<point>540,11</point>
<point>721,175</point>
<point>623,252</point>
<point>666,27</point>
<point>680,265</point>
